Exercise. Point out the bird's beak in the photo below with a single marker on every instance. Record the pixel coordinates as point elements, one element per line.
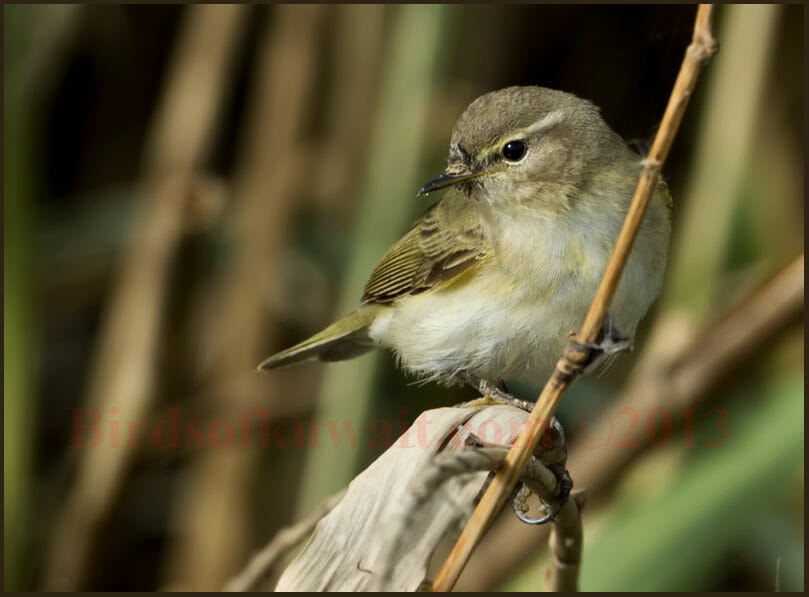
<point>447,179</point>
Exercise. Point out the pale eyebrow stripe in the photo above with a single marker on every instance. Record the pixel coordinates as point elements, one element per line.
<point>550,119</point>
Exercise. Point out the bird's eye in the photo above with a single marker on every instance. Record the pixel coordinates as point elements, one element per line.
<point>513,151</point>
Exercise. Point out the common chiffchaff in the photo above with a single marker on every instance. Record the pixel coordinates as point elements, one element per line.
<point>488,283</point>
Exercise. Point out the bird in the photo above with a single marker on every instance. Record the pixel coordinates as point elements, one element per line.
<point>488,283</point>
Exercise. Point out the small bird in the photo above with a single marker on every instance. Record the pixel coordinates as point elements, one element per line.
<point>488,283</point>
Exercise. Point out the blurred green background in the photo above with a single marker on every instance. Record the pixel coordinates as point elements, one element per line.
<point>190,188</point>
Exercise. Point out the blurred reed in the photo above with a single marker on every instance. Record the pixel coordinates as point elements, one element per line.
<point>19,330</point>
<point>124,378</point>
<point>735,101</point>
<point>33,39</point>
<point>385,207</point>
<point>213,510</point>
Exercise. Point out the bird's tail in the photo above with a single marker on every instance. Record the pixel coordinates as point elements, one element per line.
<point>344,339</point>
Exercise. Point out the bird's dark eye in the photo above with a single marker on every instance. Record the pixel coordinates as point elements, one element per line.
<point>514,150</point>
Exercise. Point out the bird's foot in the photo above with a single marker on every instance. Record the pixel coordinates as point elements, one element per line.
<point>519,504</point>
<point>554,462</point>
<point>609,342</point>
<point>492,394</point>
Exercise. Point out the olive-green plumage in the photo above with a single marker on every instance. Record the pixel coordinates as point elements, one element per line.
<point>442,244</point>
<point>342,340</point>
<point>492,278</point>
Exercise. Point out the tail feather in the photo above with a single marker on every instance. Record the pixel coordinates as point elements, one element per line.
<point>344,339</point>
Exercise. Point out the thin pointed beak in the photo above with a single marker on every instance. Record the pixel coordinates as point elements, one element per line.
<point>446,179</point>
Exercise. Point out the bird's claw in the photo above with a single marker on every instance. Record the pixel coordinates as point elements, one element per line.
<point>610,341</point>
<point>492,394</point>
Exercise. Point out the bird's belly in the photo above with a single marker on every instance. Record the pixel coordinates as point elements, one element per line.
<point>492,328</point>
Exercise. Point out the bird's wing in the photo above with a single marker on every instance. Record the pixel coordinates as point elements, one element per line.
<point>442,244</point>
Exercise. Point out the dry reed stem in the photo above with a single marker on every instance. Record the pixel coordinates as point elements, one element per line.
<point>702,47</point>
<point>566,543</point>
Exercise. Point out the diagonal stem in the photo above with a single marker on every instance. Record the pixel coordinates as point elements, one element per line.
<point>575,356</point>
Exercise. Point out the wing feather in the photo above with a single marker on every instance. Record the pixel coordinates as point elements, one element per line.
<point>442,244</point>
